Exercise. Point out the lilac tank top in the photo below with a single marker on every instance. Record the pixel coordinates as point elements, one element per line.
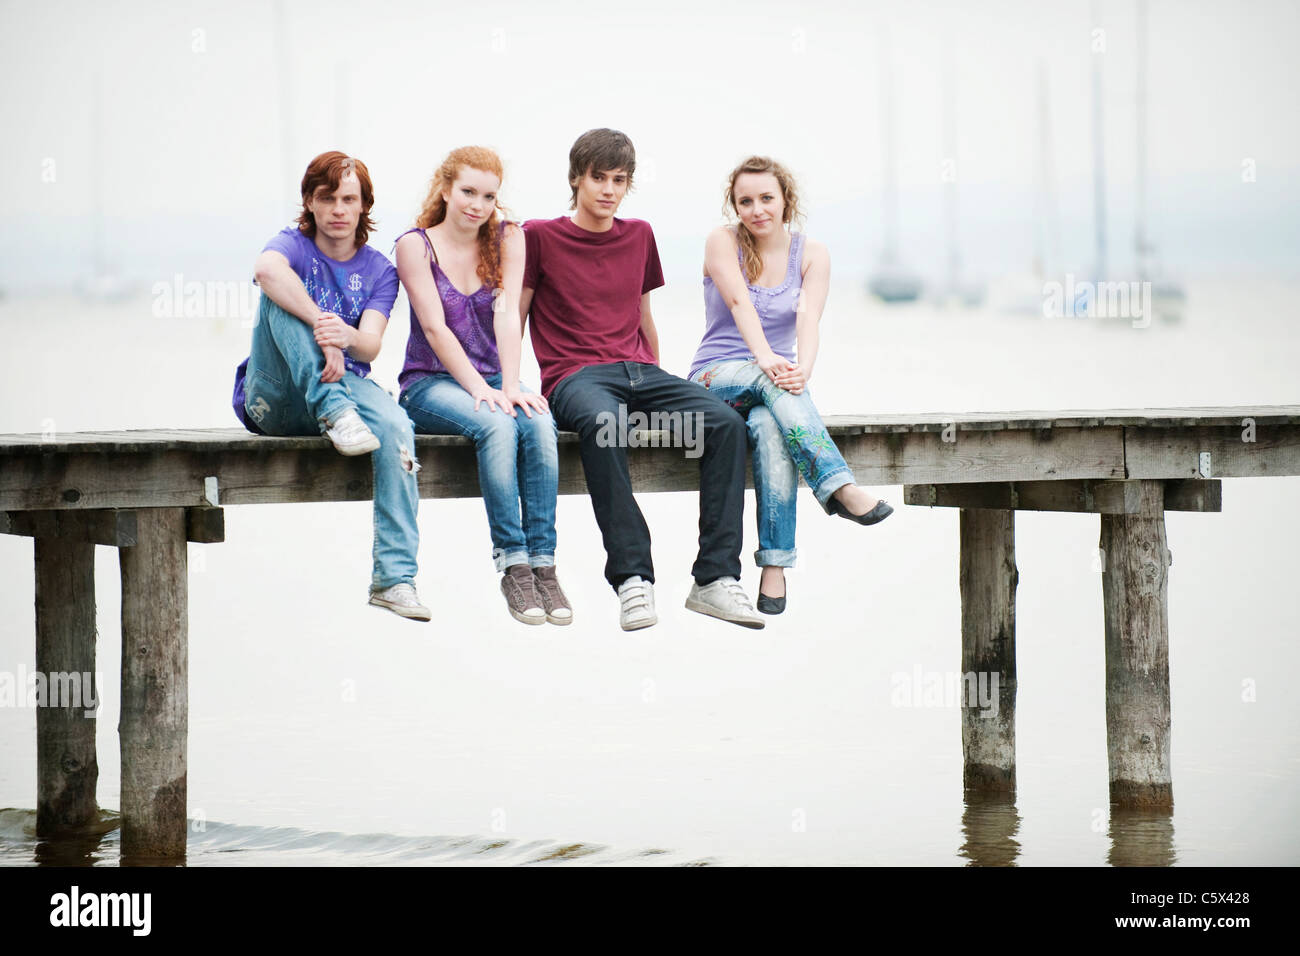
<point>776,309</point>
<point>469,317</point>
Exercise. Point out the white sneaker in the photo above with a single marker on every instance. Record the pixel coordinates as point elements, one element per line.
<point>725,599</point>
<point>636,597</point>
<point>350,434</point>
<point>401,599</point>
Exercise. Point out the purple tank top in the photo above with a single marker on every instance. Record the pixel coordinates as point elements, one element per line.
<point>776,309</point>
<point>469,317</point>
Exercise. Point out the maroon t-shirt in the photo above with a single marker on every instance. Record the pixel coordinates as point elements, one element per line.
<point>587,289</point>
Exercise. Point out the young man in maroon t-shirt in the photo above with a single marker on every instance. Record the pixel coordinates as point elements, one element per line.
<point>587,283</point>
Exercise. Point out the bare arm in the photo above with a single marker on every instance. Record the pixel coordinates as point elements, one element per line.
<point>414,272</point>
<point>812,302</point>
<point>648,326</point>
<point>362,343</point>
<point>721,266</point>
<point>277,280</point>
<point>506,322</point>
<point>525,303</point>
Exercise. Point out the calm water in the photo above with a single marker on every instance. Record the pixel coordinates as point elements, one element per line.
<point>324,731</point>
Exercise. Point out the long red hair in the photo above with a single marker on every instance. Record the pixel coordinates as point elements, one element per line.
<point>434,210</point>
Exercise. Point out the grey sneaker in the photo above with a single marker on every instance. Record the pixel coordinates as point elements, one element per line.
<point>554,602</point>
<point>636,598</point>
<point>350,435</point>
<point>521,595</point>
<point>401,599</point>
<point>725,599</point>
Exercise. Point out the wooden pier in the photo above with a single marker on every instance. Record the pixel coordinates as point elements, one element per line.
<point>148,492</point>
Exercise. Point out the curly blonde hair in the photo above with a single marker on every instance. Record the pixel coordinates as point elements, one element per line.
<point>434,210</point>
<point>790,214</point>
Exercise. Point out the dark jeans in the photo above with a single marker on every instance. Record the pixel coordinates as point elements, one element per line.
<point>586,402</point>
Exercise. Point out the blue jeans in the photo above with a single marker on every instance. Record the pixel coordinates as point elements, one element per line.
<point>518,465</point>
<point>285,396</point>
<point>788,439</point>
<point>593,396</point>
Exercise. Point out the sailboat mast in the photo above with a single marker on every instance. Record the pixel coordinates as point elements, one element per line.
<point>950,156</point>
<point>890,252</point>
<point>1098,157</point>
<point>1140,246</point>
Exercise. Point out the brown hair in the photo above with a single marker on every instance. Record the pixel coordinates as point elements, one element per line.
<point>434,210</point>
<point>599,150</point>
<point>789,195</point>
<point>328,169</point>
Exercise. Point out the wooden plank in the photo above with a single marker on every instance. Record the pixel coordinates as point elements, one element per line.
<point>1176,453</point>
<point>1096,497</point>
<point>1135,596</point>
<point>176,478</point>
<point>988,579</point>
<point>155,704</point>
<point>113,527</point>
<point>67,769</point>
<point>269,471</point>
<point>205,525</point>
<point>210,439</point>
<point>1195,494</point>
<point>912,458</point>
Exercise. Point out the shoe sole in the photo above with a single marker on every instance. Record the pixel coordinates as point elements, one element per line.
<point>560,621</point>
<point>411,614</point>
<point>701,608</point>
<point>364,448</point>
<point>640,625</point>
<point>523,618</point>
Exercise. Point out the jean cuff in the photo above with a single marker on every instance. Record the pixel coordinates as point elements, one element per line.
<point>830,484</point>
<point>504,559</point>
<point>376,586</point>
<point>327,419</point>
<point>542,560</point>
<point>774,558</point>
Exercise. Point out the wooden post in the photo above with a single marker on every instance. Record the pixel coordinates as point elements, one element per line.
<point>155,702</point>
<point>66,767</point>
<point>1135,593</point>
<point>988,648</point>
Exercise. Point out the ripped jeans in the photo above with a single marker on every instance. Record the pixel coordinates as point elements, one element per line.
<point>788,439</point>
<point>285,396</point>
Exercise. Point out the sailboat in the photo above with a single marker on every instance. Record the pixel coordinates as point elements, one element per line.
<point>892,281</point>
<point>957,290</point>
<point>1024,293</point>
<point>105,283</point>
<point>1167,296</point>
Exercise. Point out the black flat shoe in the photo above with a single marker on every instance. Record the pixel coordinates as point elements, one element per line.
<point>879,513</point>
<point>771,605</point>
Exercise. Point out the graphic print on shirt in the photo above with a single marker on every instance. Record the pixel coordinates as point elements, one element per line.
<point>349,310</point>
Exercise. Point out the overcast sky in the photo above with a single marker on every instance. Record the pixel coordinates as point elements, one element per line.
<point>208,113</point>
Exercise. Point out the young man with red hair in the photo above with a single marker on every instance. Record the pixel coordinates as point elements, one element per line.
<point>326,297</point>
<point>587,283</point>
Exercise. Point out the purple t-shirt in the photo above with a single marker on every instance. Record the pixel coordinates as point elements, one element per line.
<point>366,281</point>
<point>469,317</point>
